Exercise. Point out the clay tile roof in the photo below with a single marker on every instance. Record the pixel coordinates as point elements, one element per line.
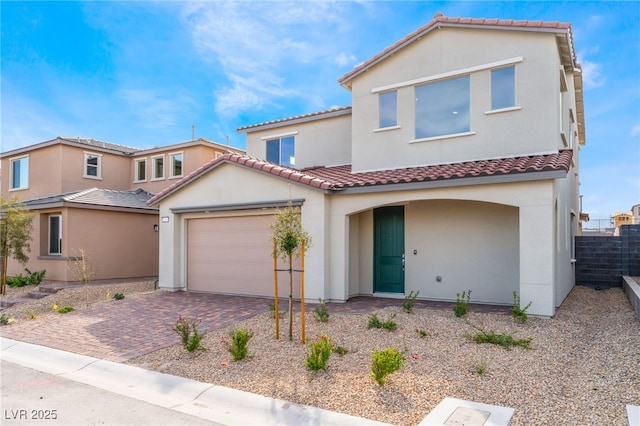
<point>335,178</point>
<point>443,21</point>
<point>341,177</point>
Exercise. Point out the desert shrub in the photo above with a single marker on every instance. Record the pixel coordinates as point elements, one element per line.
<point>408,302</point>
<point>461,307</point>
<point>188,331</point>
<point>374,322</point>
<point>518,313</point>
<point>237,343</point>
<point>384,363</point>
<point>321,313</point>
<point>319,353</point>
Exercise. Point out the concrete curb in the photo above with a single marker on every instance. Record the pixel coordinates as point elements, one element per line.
<point>215,403</point>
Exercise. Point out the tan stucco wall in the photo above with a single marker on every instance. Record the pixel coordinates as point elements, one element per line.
<point>193,156</point>
<point>496,135</point>
<point>45,173</point>
<point>221,187</point>
<point>121,245</point>
<point>324,142</point>
<point>469,244</point>
<point>516,220</point>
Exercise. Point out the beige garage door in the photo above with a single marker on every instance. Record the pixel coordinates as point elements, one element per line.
<point>230,255</point>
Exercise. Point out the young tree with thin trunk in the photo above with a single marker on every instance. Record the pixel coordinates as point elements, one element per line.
<point>15,234</point>
<point>288,238</point>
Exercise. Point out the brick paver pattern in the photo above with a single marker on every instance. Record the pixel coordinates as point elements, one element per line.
<point>131,328</point>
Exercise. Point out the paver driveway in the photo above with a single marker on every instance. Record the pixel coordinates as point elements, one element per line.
<point>137,326</point>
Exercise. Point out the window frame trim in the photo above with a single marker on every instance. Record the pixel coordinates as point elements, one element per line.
<point>153,168</point>
<point>136,162</point>
<point>171,156</point>
<point>11,161</point>
<point>85,157</point>
<point>515,94</point>
<point>49,216</point>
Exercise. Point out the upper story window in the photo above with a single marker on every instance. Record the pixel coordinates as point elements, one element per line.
<point>442,108</point>
<point>282,151</point>
<point>503,88</point>
<point>157,163</point>
<point>140,170</point>
<point>388,109</point>
<point>19,173</point>
<point>175,165</point>
<point>92,165</point>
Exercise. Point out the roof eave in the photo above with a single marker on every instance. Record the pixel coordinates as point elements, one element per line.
<point>448,183</point>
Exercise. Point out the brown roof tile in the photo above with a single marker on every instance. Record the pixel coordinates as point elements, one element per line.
<point>341,177</point>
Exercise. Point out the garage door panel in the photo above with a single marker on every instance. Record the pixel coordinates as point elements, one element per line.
<point>230,255</point>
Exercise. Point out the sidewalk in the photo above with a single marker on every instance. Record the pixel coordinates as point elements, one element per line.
<point>214,403</point>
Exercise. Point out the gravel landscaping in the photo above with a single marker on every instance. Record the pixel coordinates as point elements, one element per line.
<point>583,365</point>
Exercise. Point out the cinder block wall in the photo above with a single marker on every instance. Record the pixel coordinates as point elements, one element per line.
<point>630,236</point>
<point>599,261</point>
<point>603,261</point>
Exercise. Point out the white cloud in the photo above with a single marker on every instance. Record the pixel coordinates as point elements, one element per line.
<point>153,109</point>
<point>345,59</point>
<point>258,44</point>
<point>591,75</point>
<point>635,130</point>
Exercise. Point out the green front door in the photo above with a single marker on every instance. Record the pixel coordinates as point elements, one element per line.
<point>388,249</point>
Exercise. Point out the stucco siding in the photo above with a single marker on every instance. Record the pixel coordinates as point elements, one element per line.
<point>221,188</point>
<point>323,142</point>
<point>496,135</point>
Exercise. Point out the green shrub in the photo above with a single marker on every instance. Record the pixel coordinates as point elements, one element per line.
<point>66,309</point>
<point>321,313</point>
<point>238,343</point>
<point>272,309</point>
<point>421,333</point>
<point>504,340</point>
<point>462,303</point>
<point>374,322</point>
<point>188,332</point>
<point>384,363</point>
<point>518,313</point>
<point>408,302</point>
<point>340,350</point>
<point>32,278</point>
<point>118,296</point>
<point>4,319</point>
<point>319,353</point>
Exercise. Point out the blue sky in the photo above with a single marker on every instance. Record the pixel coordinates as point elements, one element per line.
<point>142,73</point>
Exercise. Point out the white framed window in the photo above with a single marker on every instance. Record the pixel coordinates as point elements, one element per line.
<point>503,88</point>
<point>442,108</point>
<point>55,234</point>
<point>175,164</point>
<point>388,109</point>
<point>157,165</point>
<point>282,151</point>
<point>19,173</point>
<point>140,170</point>
<point>92,165</point>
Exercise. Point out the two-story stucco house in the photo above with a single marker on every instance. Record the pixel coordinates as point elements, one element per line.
<point>455,168</point>
<point>92,195</point>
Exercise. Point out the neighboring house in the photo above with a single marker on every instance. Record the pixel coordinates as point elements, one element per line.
<point>91,195</point>
<point>622,218</point>
<point>635,211</point>
<point>455,168</point>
